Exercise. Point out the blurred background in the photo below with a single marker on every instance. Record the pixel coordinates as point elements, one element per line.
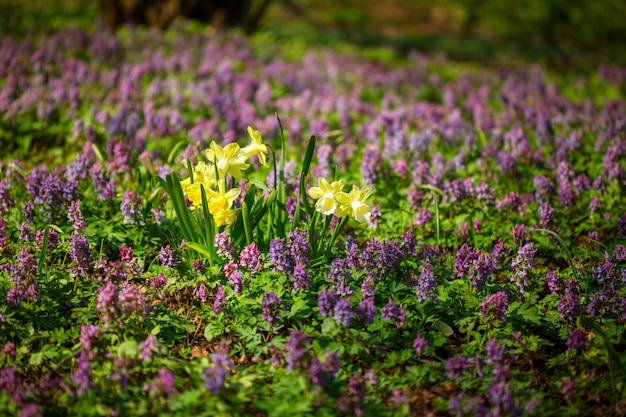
<point>558,33</point>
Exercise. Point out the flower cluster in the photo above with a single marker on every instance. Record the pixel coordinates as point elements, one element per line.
<point>332,200</point>
<point>230,160</point>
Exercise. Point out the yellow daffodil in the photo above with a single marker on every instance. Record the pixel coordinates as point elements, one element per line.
<point>325,194</point>
<point>220,203</point>
<point>203,175</point>
<point>353,204</point>
<point>229,159</point>
<point>256,147</point>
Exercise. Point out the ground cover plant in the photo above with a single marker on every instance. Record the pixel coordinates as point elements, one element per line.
<point>194,225</point>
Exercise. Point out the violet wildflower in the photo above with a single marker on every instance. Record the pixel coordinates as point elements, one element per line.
<point>326,302</point>
<point>6,202</point>
<point>321,373</point>
<point>28,211</point>
<point>250,257</point>
<point>568,389</point>
<point>495,306</point>
<point>10,349</point>
<point>26,233</point>
<point>147,347</point>
<point>500,396</point>
<point>422,217</point>
<point>455,365</point>
<point>82,375</point>
<point>168,258</point>
<point>198,266</point>
<point>91,339</point>
<point>131,207</point>
<point>338,270</point>
<point>426,283</point>
<point>133,300</point>
<point>278,254</point>
<point>393,311</point>
<point>297,348</point>
<point>367,287</point>
<point>298,246</point>
<point>351,401</point>
<point>577,339</point>
<point>270,307</point>
<point>200,293</point>
<point>498,251</point>
<point>224,245</point>
<point>108,303</point>
<point>158,283</point>
<point>366,310</point>
<point>159,217</point>
<point>80,254</point>
<point>398,398</point>
<point>102,185</point>
<point>342,313</point>
<point>569,304</point>
<point>300,278</point>
<point>522,266</point>
<point>163,384</point>
<point>23,275</point>
<point>553,281</point>
<point>75,216</point>
<point>215,375</point>
<point>420,344</point>
<point>495,352</point>
<point>219,300</point>
<point>234,276</point>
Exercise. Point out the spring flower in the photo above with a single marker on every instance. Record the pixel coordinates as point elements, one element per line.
<point>354,204</point>
<point>230,160</point>
<point>256,147</point>
<point>325,194</point>
<point>203,176</point>
<point>220,203</point>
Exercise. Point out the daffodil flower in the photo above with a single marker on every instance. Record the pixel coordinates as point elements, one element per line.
<point>325,194</point>
<point>229,159</point>
<point>256,147</point>
<point>203,175</point>
<point>220,203</point>
<point>353,204</point>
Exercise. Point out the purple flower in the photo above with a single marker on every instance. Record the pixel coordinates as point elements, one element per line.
<point>426,283</point>
<point>168,258</point>
<point>326,302</point>
<point>280,257</point>
<point>367,287</point>
<point>22,275</point>
<point>569,304</point>
<point>298,246</point>
<point>80,254</point>
<point>338,270</point>
<point>300,278</point>
<point>522,266</point>
<point>577,339</point>
<point>342,313</point>
<point>147,347</point>
<point>393,311</point>
<point>6,202</point>
<point>367,310</point>
<point>398,398</point>
<point>234,276</point>
<point>108,302</point>
<point>219,301</point>
<point>420,344</point>
<point>568,389</point>
<point>250,257</point>
<point>297,348</point>
<point>351,400</point>
<point>224,245</point>
<point>131,207</point>
<point>215,375</point>
<point>495,352</point>
<point>163,384</point>
<point>495,305</point>
<point>455,365</point>
<point>91,339</point>
<point>201,293</point>
<point>82,375</point>
<point>553,281</point>
<point>270,307</point>
<point>102,185</point>
<point>322,373</point>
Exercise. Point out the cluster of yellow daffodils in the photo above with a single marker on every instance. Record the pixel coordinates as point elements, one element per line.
<point>230,160</point>
<point>332,200</point>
